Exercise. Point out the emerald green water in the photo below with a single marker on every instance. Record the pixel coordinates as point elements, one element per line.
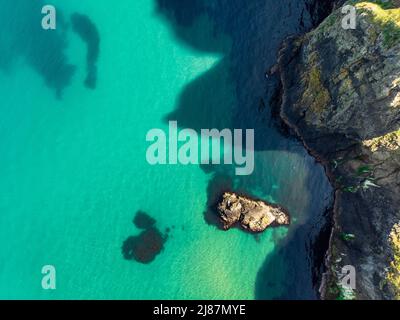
<point>74,173</point>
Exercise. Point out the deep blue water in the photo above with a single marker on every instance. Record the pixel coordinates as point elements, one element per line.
<point>76,106</point>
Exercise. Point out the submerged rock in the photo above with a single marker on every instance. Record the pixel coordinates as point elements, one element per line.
<point>144,247</point>
<point>143,221</point>
<point>253,215</point>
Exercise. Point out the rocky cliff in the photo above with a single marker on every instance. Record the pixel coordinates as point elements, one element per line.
<point>340,94</point>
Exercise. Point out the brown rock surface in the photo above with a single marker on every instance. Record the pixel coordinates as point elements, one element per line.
<point>253,215</point>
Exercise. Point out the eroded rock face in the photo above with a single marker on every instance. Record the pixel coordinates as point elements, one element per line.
<point>253,215</point>
<point>341,96</point>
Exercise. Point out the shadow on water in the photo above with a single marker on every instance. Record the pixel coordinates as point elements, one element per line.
<point>296,279</point>
<point>22,36</point>
<point>214,104</point>
<point>248,35</point>
<point>86,29</point>
<point>235,93</point>
<point>42,49</point>
<point>217,185</point>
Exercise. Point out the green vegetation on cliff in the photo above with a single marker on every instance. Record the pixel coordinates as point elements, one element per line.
<point>342,90</point>
<point>389,141</point>
<point>315,95</point>
<point>387,19</point>
<point>393,275</point>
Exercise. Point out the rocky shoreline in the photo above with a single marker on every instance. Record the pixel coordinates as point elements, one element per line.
<point>252,215</point>
<point>340,94</point>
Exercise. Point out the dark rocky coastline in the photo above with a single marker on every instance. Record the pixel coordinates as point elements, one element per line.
<point>340,94</point>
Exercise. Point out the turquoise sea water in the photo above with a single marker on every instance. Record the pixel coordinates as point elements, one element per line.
<point>73,167</point>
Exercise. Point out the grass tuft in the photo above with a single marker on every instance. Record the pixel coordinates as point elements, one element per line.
<point>386,17</point>
<point>393,276</point>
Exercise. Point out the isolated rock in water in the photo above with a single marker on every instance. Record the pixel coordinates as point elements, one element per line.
<point>253,215</point>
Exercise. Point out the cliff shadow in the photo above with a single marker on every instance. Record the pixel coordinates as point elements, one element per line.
<point>87,31</point>
<point>281,277</point>
<point>23,37</point>
<point>43,50</point>
<point>236,93</point>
